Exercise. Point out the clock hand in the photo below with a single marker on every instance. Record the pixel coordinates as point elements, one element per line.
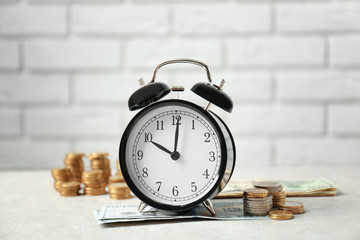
<point>175,155</point>
<point>161,147</point>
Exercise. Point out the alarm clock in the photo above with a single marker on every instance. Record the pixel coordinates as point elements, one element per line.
<point>175,154</point>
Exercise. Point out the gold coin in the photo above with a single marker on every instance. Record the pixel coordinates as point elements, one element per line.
<point>256,193</point>
<point>116,179</point>
<point>74,155</point>
<point>280,214</point>
<point>98,155</point>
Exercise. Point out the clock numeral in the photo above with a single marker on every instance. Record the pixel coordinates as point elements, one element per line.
<point>175,119</point>
<point>160,125</point>
<point>206,174</point>
<point>193,124</point>
<point>212,156</point>
<point>140,154</point>
<point>193,187</point>
<point>207,136</point>
<point>148,137</point>
<point>159,185</point>
<point>175,191</point>
<point>145,173</point>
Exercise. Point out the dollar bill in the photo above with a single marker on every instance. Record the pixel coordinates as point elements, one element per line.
<point>301,188</point>
<point>225,210</point>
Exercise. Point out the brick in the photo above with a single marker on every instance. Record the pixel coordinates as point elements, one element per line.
<point>25,19</point>
<point>318,152</point>
<point>151,52</point>
<point>277,120</point>
<point>72,54</point>
<point>345,51</point>
<point>344,119</point>
<point>9,57</point>
<point>72,122</point>
<point>27,155</point>
<point>240,86</point>
<point>95,19</point>
<point>318,17</point>
<point>16,88</point>
<point>318,85</point>
<point>105,87</point>
<point>10,124</point>
<point>253,152</point>
<point>220,19</point>
<point>275,51</point>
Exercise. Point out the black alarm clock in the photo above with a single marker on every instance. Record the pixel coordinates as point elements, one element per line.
<point>175,154</point>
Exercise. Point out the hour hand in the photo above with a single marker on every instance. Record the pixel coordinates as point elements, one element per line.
<point>161,147</point>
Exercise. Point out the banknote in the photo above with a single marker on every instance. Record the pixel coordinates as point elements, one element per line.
<point>300,188</point>
<point>225,210</point>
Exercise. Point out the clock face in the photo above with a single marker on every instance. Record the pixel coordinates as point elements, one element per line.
<point>171,154</point>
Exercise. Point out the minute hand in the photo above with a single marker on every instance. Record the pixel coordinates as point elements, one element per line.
<point>176,134</point>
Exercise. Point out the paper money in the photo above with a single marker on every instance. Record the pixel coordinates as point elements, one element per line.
<point>225,210</point>
<point>303,188</point>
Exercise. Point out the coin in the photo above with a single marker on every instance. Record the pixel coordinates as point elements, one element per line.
<point>256,192</point>
<point>292,206</point>
<point>69,189</point>
<point>74,162</point>
<point>280,214</point>
<point>267,184</point>
<point>99,161</point>
<point>257,206</point>
<point>119,191</point>
<point>94,182</point>
<point>60,175</point>
<point>116,179</point>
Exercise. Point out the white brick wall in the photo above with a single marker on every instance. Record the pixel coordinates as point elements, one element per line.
<point>21,20</point>
<point>275,51</point>
<point>318,17</point>
<point>292,68</point>
<point>345,51</point>
<point>9,54</point>
<point>72,54</point>
<point>29,88</point>
<point>221,18</point>
<point>95,19</point>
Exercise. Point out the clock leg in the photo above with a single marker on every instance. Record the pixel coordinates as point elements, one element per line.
<point>207,203</point>
<point>142,206</point>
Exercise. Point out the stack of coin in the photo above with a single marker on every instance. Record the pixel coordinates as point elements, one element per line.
<point>70,189</point>
<point>119,191</point>
<point>257,202</point>
<point>60,175</point>
<point>116,179</point>
<point>99,161</point>
<point>74,162</point>
<point>280,215</point>
<point>275,189</point>
<point>292,206</point>
<point>94,182</point>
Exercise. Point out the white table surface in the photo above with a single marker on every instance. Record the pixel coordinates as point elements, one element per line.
<point>32,209</point>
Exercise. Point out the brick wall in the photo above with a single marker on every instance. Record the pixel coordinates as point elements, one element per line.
<point>292,68</point>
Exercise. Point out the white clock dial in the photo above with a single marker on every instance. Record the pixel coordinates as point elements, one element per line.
<point>173,154</point>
